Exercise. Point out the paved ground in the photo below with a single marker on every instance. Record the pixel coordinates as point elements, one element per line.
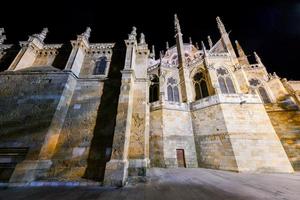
<point>175,184</point>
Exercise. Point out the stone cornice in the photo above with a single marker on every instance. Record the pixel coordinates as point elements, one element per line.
<point>5,46</point>
<point>101,45</point>
<point>52,46</point>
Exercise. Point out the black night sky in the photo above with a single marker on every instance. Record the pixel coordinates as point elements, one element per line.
<point>271,28</point>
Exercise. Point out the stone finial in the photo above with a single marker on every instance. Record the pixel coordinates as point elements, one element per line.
<point>132,35</point>
<point>2,37</point>
<point>161,55</point>
<point>221,26</point>
<point>190,39</point>
<point>167,45</point>
<point>142,39</point>
<point>177,25</point>
<point>87,33</point>
<point>197,45</point>
<point>42,35</point>
<point>203,48</point>
<point>210,43</point>
<point>257,58</point>
<point>275,75</point>
<point>240,50</point>
<point>153,52</point>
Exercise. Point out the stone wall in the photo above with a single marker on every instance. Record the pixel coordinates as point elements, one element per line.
<point>233,132</point>
<point>254,142</point>
<point>287,126</point>
<point>71,153</point>
<point>156,150</point>
<point>171,130</point>
<point>213,144</point>
<point>28,103</point>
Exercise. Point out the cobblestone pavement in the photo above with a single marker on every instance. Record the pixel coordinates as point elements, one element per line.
<point>175,184</point>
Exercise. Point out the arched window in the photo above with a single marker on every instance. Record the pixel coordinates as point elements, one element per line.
<point>230,86</point>
<point>200,85</point>
<point>170,93</point>
<point>204,89</point>
<point>225,82</point>
<point>197,91</point>
<point>100,66</point>
<point>263,94</point>
<point>172,89</point>
<point>176,94</point>
<point>222,85</point>
<point>154,89</point>
<point>258,86</point>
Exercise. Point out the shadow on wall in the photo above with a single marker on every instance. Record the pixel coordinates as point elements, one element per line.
<point>102,140</point>
<point>62,57</point>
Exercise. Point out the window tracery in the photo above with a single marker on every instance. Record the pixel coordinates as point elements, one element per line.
<point>225,82</point>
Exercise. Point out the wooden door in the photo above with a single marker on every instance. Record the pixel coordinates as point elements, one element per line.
<point>180,158</point>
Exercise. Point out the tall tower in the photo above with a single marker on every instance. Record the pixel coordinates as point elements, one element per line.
<point>186,87</point>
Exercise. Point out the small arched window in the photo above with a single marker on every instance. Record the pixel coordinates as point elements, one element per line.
<point>225,82</point>
<point>154,89</point>
<point>200,85</point>
<point>172,90</point>
<point>263,94</point>
<point>176,94</point>
<point>100,66</point>
<point>170,93</point>
<point>258,86</point>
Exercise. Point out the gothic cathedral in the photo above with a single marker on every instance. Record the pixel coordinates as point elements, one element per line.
<point>88,113</point>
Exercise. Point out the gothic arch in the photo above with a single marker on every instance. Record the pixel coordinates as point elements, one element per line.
<point>200,85</point>
<point>225,81</point>
<point>260,89</point>
<point>172,90</point>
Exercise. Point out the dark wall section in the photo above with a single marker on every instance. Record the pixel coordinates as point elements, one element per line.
<point>106,118</point>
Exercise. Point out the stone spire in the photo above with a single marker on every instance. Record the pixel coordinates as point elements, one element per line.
<point>210,43</point>
<point>257,58</point>
<point>190,39</point>
<point>242,56</point>
<point>226,40</point>
<point>167,45</point>
<point>42,35</point>
<point>132,35</point>
<point>221,26</point>
<point>142,39</point>
<point>2,37</point>
<point>177,25</point>
<point>87,33</point>
<point>203,48</point>
<point>152,55</point>
<point>240,50</point>
<point>184,79</point>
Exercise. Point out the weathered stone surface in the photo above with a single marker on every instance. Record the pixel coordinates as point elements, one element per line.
<point>287,126</point>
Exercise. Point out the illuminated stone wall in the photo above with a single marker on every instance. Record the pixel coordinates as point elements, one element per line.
<point>287,126</point>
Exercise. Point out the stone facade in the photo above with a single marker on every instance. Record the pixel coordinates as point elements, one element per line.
<point>192,107</point>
